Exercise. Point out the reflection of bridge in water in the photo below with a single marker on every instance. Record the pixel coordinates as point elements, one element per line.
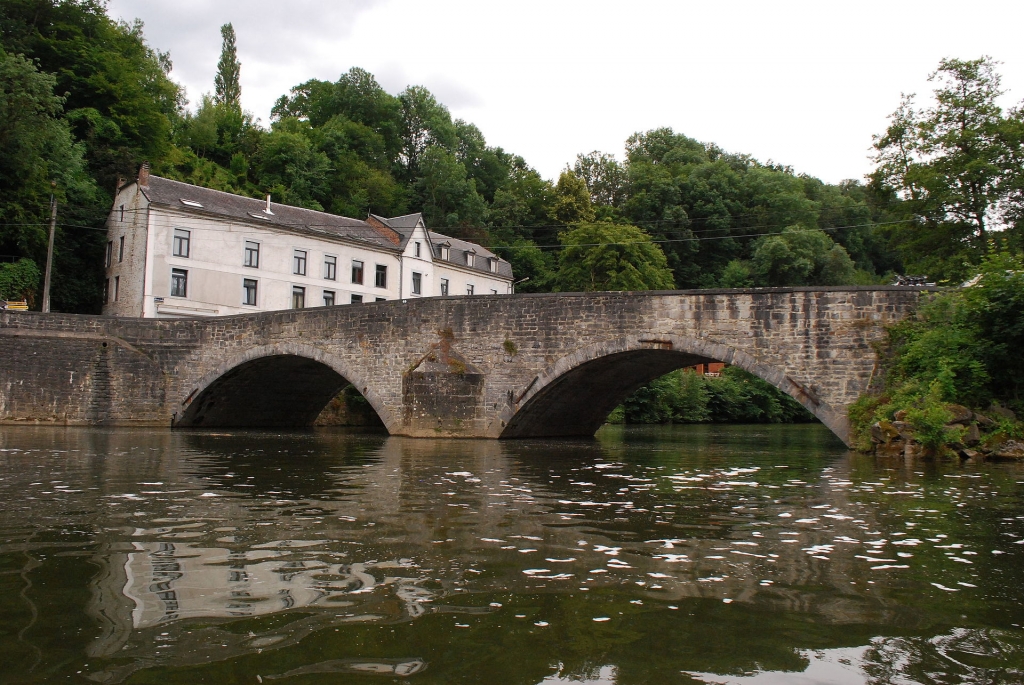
<point>401,530</point>
<point>505,366</point>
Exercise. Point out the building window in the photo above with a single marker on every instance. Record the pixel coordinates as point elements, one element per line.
<point>106,290</point>
<point>445,253</point>
<point>444,287</point>
<point>249,291</point>
<point>417,249</point>
<point>469,289</point>
<point>299,263</point>
<point>328,298</point>
<point>252,254</point>
<point>330,267</point>
<point>110,252</point>
<point>357,299</point>
<point>492,264</point>
<point>417,283</point>
<point>357,272</point>
<point>117,288</point>
<point>120,250</point>
<point>179,283</point>
<point>469,258</point>
<point>380,278</point>
<point>122,213</point>
<point>382,299</point>
<point>181,241</point>
<point>298,297</point>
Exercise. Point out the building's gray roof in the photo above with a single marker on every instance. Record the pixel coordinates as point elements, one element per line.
<point>163,191</point>
<point>404,226</point>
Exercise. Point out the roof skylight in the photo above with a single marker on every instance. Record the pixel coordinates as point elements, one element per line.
<point>259,216</point>
<point>191,203</point>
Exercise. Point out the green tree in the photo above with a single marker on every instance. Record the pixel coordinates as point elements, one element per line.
<point>949,170</point>
<point>120,101</point>
<point>227,88</point>
<point>19,280</point>
<point>801,256</point>
<point>606,256</point>
<point>38,157</point>
<point>291,168</point>
<point>425,123</point>
<point>604,177</point>
<point>450,197</point>
<point>571,200</point>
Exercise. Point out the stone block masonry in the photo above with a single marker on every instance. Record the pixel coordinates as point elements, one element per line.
<point>487,366</point>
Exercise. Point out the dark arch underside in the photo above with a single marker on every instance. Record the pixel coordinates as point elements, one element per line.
<point>578,402</point>
<point>278,391</point>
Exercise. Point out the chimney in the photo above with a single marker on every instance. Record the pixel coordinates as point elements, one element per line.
<point>267,210</point>
<point>120,184</point>
<point>144,175</point>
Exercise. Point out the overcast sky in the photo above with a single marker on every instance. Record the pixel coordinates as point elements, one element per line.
<point>800,83</point>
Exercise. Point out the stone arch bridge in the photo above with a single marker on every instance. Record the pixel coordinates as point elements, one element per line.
<point>482,367</point>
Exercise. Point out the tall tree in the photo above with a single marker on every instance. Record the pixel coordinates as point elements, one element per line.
<point>800,256</point>
<point>227,88</point>
<point>572,200</point>
<point>949,169</point>
<point>607,256</point>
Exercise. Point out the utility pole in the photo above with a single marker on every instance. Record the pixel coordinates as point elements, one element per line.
<point>49,248</point>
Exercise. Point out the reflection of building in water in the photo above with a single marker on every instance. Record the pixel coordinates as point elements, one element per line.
<point>169,581</point>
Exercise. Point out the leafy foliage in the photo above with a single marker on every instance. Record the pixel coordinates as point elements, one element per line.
<point>800,256</point>
<point>952,171</point>
<point>19,280</point>
<point>962,347</point>
<point>734,397</point>
<point>607,256</point>
<point>228,90</point>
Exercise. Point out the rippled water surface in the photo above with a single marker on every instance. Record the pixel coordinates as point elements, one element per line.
<point>660,555</point>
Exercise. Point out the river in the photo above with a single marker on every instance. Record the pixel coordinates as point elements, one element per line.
<point>685,554</point>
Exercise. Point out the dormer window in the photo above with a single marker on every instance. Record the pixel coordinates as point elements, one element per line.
<point>469,257</point>
<point>492,264</point>
<point>446,251</point>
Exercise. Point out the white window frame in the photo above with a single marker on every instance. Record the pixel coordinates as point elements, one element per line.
<point>304,259</point>
<point>256,292</point>
<point>184,280</point>
<point>177,242</point>
<point>245,253</point>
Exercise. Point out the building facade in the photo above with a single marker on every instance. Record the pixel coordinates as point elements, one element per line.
<point>179,250</point>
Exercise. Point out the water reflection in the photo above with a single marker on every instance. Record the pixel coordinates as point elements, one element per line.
<point>742,554</point>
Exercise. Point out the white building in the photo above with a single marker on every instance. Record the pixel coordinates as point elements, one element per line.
<point>176,249</point>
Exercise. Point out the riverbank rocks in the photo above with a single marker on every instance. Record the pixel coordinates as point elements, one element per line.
<point>996,409</point>
<point>977,437</point>
<point>1011,449</point>
<point>883,432</point>
<point>961,414</point>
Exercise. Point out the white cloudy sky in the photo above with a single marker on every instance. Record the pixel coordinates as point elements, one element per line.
<point>800,83</point>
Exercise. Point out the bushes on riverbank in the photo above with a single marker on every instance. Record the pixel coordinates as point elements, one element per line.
<point>686,397</point>
<point>953,374</point>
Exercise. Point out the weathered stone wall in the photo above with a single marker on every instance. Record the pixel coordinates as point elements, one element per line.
<point>509,365</point>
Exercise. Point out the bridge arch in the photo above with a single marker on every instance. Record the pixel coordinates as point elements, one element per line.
<point>574,395</point>
<point>280,385</point>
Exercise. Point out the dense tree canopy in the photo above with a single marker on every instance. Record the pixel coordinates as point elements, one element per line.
<point>952,171</point>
